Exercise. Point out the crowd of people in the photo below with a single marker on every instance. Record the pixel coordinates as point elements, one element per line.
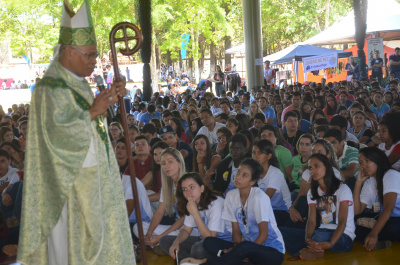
<point>302,168</point>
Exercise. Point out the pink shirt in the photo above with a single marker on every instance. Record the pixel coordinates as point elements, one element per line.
<point>286,110</point>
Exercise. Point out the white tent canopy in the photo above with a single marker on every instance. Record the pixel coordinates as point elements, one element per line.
<point>236,49</point>
<point>383,18</point>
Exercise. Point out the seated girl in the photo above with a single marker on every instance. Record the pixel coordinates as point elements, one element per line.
<point>205,161</point>
<point>299,210</point>
<point>152,180</point>
<point>333,201</point>
<point>165,220</point>
<point>255,235</point>
<point>202,210</point>
<point>360,129</point>
<point>272,181</point>
<point>377,193</point>
<point>389,135</point>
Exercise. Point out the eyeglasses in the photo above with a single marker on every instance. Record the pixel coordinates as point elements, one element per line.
<point>90,56</point>
<point>244,217</point>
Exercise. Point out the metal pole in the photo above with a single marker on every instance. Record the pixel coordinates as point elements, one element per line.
<point>253,43</point>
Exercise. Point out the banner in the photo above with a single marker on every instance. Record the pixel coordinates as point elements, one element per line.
<point>314,63</point>
<point>375,45</point>
<point>185,41</point>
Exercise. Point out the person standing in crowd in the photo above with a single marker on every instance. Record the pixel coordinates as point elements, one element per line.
<point>394,62</point>
<point>269,75</point>
<point>350,66</point>
<point>376,66</point>
<point>219,80</point>
<point>74,183</point>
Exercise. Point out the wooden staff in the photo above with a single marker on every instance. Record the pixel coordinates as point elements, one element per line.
<point>128,52</point>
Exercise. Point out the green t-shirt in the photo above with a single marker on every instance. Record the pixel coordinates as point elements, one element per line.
<point>297,165</point>
<point>284,157</point>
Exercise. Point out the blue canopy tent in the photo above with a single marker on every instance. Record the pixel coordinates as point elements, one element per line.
<point>299,51</point>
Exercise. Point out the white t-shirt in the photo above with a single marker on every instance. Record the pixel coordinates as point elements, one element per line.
<point>215,110</point>
<point>369,195</point>
<point>382,146</point>
<point>212,219</point>
<point>257,209</point>
<point>274,179</point>
<point>10,177</point>
<point>391,183</point>
<point>306,174</point>
<point>328,207</point>
<point>212,136</point>
<point>145,207</point>
<point>231,113</point>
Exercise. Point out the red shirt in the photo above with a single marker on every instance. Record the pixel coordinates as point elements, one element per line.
<point>141,168</point>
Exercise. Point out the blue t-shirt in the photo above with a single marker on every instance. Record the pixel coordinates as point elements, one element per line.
<point>270,113</point>
<point>32,87</point>
<point>377,71</point>
<point>305,126</point>
<point>146,118</point>
<point>394,58</point>
<point>381,111</point>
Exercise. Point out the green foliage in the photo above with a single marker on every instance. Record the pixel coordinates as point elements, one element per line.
<point>33,25</point>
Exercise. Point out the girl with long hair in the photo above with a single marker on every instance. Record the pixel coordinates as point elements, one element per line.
<point>319,102</point>
<point>376,192</point>
<point>192,114</point>
<point>224,137</point>
<point>176,124</point>
<point>249,210</point>
<point>232,125</point>
<point>152,180</point>
<point>305,110</point>
<point>16,154</point>
<point>203,103</point>
<point>331,106</point>
<point>370,114</point>
<point>205,161</point>
<point>165,220</point>
<point>272,180</point>
<point>254,108</point>
<point>333,201</point>
<point>202,209</point>
<point>116,132</point>
<point>299,210</point>
<point>389,136</point>
<point>195,127</point>
<point>244,122</point>
<point>278,107</point>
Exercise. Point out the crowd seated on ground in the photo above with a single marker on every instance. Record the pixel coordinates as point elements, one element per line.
<point>298,168</point>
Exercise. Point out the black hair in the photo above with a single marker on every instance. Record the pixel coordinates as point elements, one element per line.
<point>179,126</point>
<point>134,127</point>
<point>330,180</point>
<point>321,100</point>
<point>206,110</point>
<point>336,133</point>
<point>207,196</point>
<point>167,113</point>
<point>244,122</point>
<point>149,128</point>
<point>151,108</point>
<point>331,110</point>
<point>121,140</point>
<point>249,137</point>
<point>383,165</point>
<point>255,168</point>
<point>290,114</point>
<point>5,154</point>
<point>223,116</point>
<point>338,120</point>
<point>199,125</point>
<point>239,138</point>
<point>340,108</point>
<point>266,146</point>
<point>391,120</point>
<point>260,116</point>
<point>154,166</point>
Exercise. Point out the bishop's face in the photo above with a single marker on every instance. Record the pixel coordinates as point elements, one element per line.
<point>81,59</point>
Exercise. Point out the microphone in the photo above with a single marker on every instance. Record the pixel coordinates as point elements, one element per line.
<point>100,83</point>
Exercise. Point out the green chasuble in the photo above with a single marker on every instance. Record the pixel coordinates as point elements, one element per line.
<point>60,135</point>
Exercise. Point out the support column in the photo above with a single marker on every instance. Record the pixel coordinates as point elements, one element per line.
<point>253,43</point>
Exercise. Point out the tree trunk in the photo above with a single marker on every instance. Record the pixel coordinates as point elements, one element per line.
<point>190,68</point>
<point>154,68</point>
<point>202,51</point>
<point>228,57</point>
<point>169,61</point>
<point>213,58</point>
<point>158,56</point>
<point>327,4</point>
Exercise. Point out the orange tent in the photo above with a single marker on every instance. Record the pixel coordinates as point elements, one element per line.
<point>342,76</point>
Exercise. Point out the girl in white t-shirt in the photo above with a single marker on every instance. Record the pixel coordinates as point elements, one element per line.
<point>272,181</point>
<point>255,235</point>
<point>377,191</point>
<point>334,202</point>
<point>202,210</point>
<point>299,210</point>
<point>172,169</point>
